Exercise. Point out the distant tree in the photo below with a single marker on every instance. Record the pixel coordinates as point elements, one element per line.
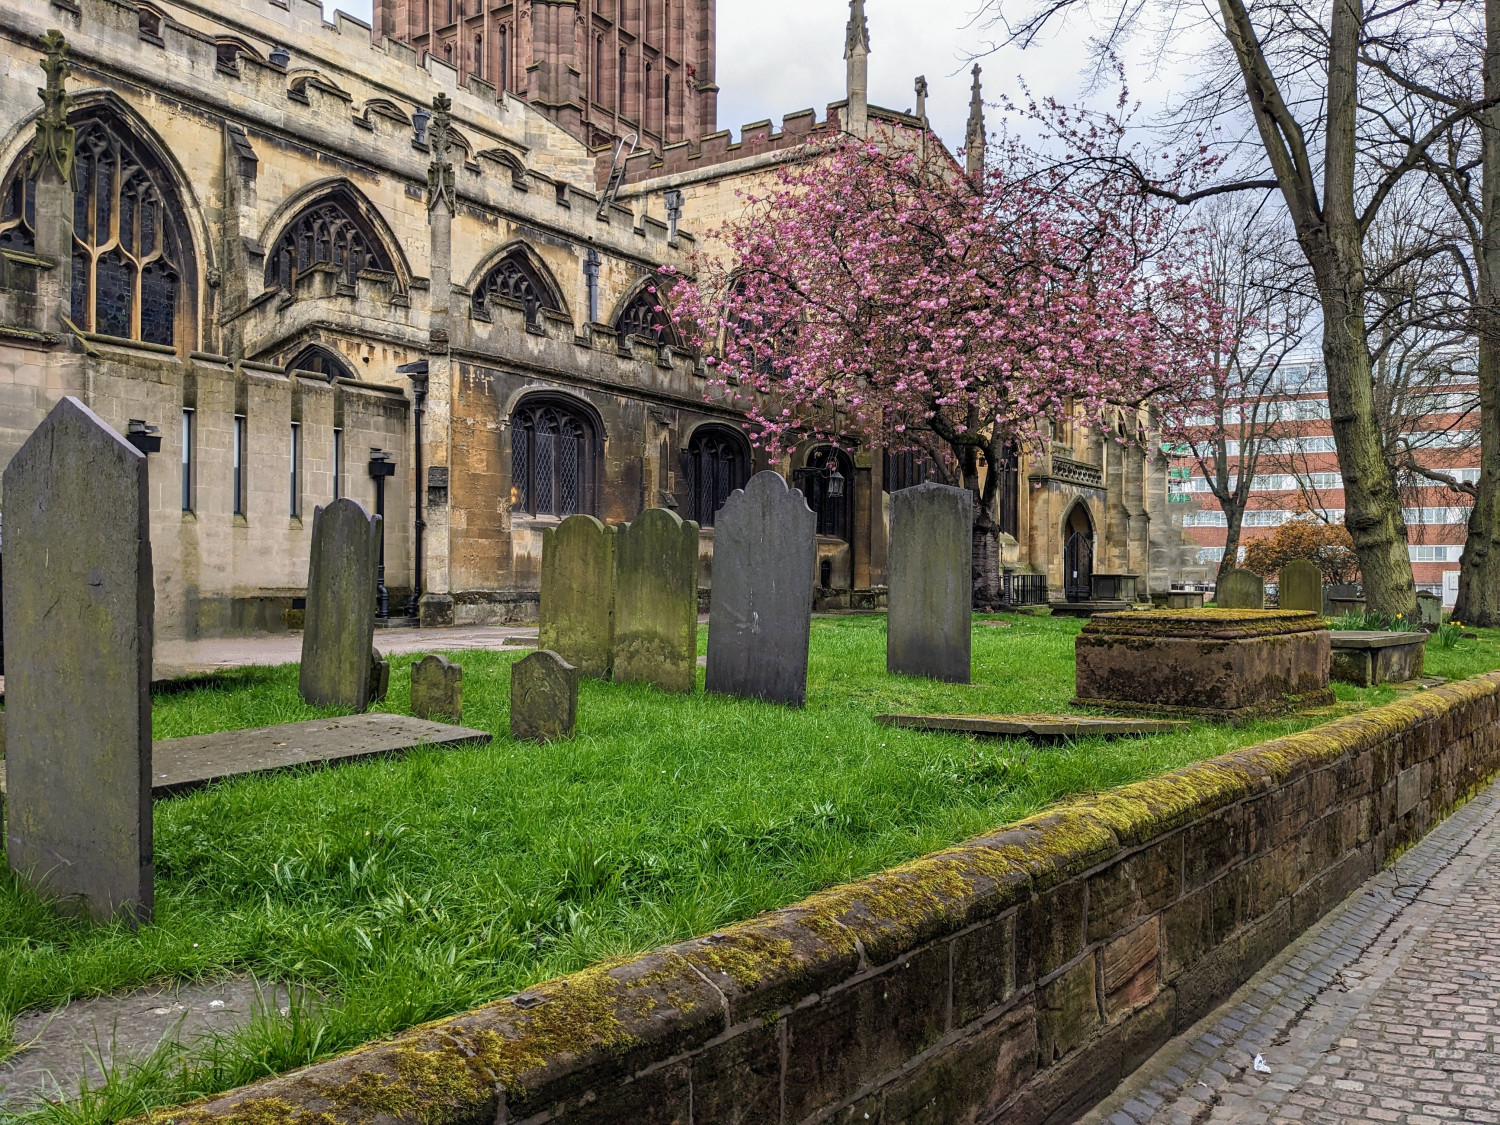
<point>1328,545</point>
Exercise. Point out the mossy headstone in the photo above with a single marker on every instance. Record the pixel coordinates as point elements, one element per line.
<point>656,601</point>
<point>79,602</point>
<point>543,698</point>
<point>931,598</point>
<point>340,667</point>
<point>1241,589</point>
<point>578,584</point>
<point>765,549</point>
<point>1302,586</point>
<point>437,689</point>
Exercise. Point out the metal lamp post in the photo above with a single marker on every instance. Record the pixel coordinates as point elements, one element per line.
<point>382,465</point>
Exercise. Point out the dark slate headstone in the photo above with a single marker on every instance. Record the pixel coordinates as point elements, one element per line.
<point>437,689</point>
<point>578,593</point>
<point>78,612</point>
<point>931,582</point>
<point>1301,586</point>
<point>1241,589</point>
<point>340,667</point>
<point>765,550</point>
<point>543,698</point>
<point>656,602</point>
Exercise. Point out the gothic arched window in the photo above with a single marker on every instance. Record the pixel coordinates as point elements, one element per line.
<point>904,469</point>
<point>715,463</point>
<point>553,463</point>
<point>645,316</point>
<point>328,233</point>
<point>514,278</point>
<point>832,501</point>
<point>321,361</point>
<point>130,248</point>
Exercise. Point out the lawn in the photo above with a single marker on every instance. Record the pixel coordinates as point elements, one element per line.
<point>398,891</point>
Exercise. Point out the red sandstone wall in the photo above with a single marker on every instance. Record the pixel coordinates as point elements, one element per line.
<point>1015,978</point>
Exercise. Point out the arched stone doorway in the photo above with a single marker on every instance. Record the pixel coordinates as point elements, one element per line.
<point>1078,555</point>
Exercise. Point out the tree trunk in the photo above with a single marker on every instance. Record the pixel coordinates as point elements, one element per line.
<point>1231,559</point>
<point>1479,573</point>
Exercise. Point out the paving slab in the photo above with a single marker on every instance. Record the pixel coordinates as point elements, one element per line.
<point>180,764</point>
<point>1033,726</point>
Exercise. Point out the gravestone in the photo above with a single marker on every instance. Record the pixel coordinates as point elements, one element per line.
<point>1429,610</point>
<point>929,621</point>
<point>765,547</point>
<point>340,667</point>
<point>578,583</point>
<point>78,612</point>
<point>656,602</point>
<point>543,698</point>
<point>437,689</point>
<point>1301,586</point>
<point>1241,589</point>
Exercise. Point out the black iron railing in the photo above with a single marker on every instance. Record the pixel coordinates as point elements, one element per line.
<point>1026,589</point>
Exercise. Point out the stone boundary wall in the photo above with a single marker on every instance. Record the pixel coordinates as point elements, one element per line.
<point>1016,977</point>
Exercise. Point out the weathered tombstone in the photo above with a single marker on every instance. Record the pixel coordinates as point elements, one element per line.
<point>765,546</point>
<point>578,583</point>
<point>380,676</point>
<point>1429,609</point>
<point>437,689</point>
<point>340,667</point>
<point>78,612</point>
<point>1302,586</point>
<point>930,619</point>
<point>543,698</point>
<point>1241,589</point>
<point>656,602</point>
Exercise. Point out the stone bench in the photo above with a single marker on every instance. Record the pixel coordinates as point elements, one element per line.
<point>1225,665</point>
<point>1365,657</point>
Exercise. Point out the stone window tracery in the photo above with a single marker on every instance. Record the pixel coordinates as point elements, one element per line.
<point>552,461</point>
<point>321,361</point>
<point>326,234</point>
<point>645,316</point>
<point>128,243</point>
<point>715,463</point>
<point>514,278</point>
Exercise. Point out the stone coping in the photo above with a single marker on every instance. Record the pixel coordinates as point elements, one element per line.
<point>1302,818</point>
<point>1369,638</point>
<point>1205,624</point>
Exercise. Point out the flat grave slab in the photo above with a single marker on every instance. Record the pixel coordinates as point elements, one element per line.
<point>179,764</point>
<point>1367,657</point>
<point>1032,726</point>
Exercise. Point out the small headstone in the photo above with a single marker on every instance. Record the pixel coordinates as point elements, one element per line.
<point>656,602</point>
<point>1241,589</point>
<point>1429,610</point>
<point>578,577</point>
<point>765,548</point>
<point>437,689</point>
<point>1301,586</point>
<point>380,676</point>
<point>929,622</point>
<point>78,607</point>
<point>543,698</point>
<point>339,662</point>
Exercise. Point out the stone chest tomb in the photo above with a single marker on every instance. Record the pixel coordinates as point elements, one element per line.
<point>1218,664</point>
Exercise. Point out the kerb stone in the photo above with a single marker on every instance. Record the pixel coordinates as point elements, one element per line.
<point>765,549</point>
<point>543,698</point>
<point>656,602</point>
<point>437,689</point>
<point>1241,589</point>
<point>339,665</point>
<point>578,594</point>
<point>78,607</point>
<point>1302,586</point>
<point>931,582</point>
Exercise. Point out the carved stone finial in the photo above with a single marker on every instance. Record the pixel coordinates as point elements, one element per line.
<point>921,87</point>
<point>857,37</point>
<point>974,135</point>
<point>54,136</point>
<point>440,171</point>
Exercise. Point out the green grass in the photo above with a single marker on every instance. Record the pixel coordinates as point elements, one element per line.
<point>398,891</point>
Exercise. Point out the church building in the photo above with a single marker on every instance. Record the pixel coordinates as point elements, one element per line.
<point>404,264</point>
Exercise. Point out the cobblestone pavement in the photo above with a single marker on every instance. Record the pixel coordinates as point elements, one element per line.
<point>1387,1011</point>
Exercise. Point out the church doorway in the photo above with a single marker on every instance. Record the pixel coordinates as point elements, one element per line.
<point>1078,555</point>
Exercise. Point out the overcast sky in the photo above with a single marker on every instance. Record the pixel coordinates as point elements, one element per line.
<point>779,56</point>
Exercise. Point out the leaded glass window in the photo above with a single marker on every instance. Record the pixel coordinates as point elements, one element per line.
<point>552,461</point>
<point>515,279</point>
<point>715,463</point>
<point>328,234</point>
<point>644,315</point>
<point>129,248</point>
<point>833,511</point>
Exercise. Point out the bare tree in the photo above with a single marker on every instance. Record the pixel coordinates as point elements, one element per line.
<point>1300,64</point>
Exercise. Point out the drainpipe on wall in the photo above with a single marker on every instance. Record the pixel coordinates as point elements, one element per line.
<point>417,373</point>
